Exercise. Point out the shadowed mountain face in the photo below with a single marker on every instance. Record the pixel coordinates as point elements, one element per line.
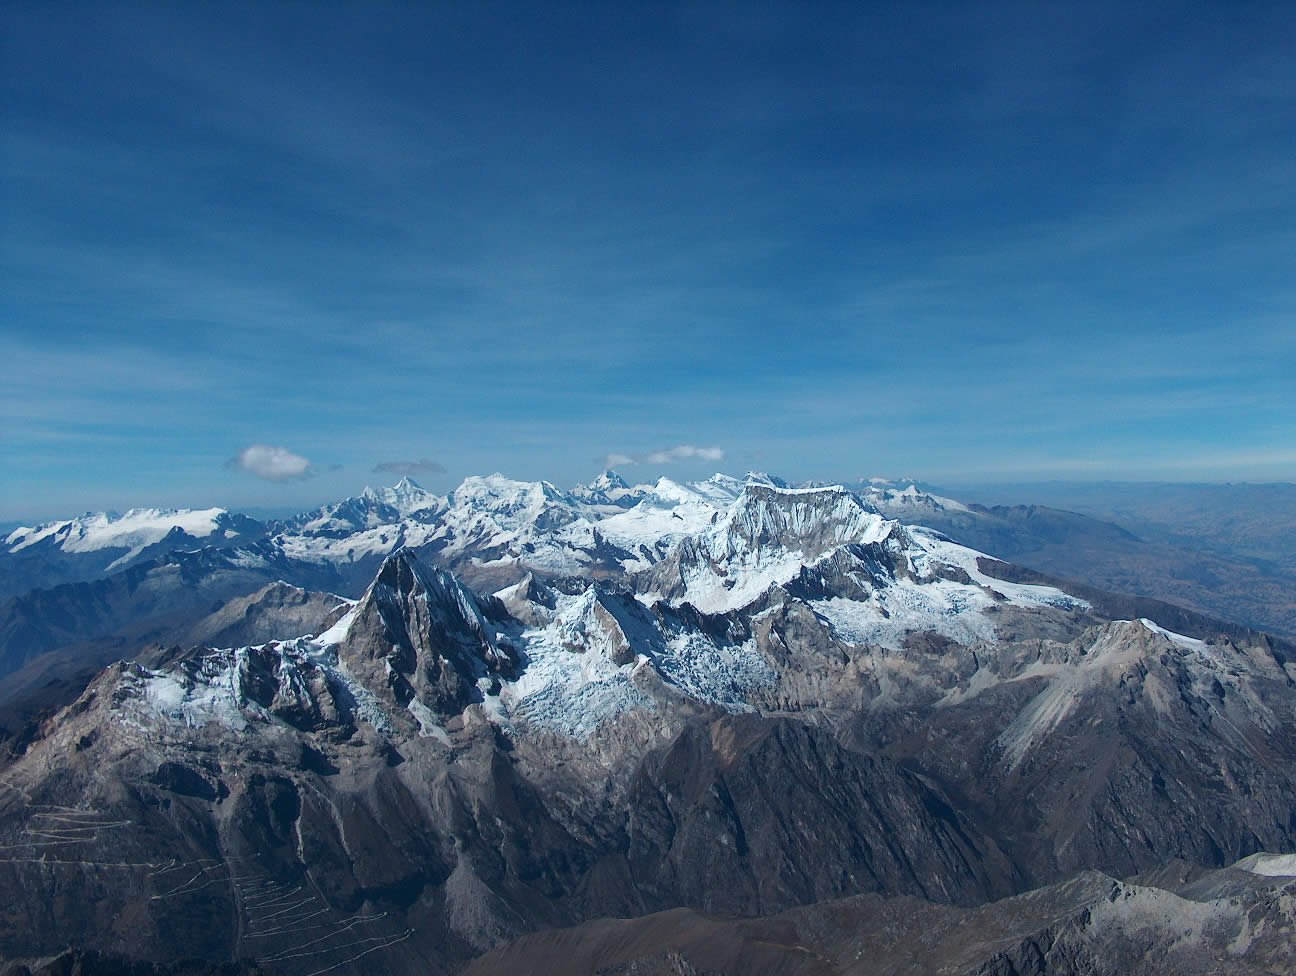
<point>798,702</point>
<point>54,679</point>
<point>420,634</point>
<point>154,600</point>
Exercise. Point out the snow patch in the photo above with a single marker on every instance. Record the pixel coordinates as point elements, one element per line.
<point>937,550</point>
<point>1188,643</point>
<point>571,682</point>
<point>428,725</point>
<point>337,633</point>
<point>953,610</point>
<point>1270,865</point>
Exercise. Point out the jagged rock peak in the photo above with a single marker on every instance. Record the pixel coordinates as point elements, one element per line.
<point>609,488</point>
<point>528,601</point>
<point>421,634</point>
<point>405,576</point>
<point>609,623</point>
<point>530,589</point>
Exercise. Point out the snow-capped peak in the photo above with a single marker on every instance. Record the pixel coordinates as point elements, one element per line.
<point>406,497</point>
<point>762,478</point>
<point>138,528</point>
<point>810,520</point>
<point>609,488</point>
<point>497,493</point>
<point>609,480</point>
<point>496,510</point>
<point>669,511</point>
<point>909,500</point>
<point>719,488</point>
<point>765,538</point>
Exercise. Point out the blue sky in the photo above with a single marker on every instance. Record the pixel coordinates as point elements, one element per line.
<point>970,242</point>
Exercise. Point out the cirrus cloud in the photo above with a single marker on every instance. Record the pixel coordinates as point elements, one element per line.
<point>272,463</point>
<point>667,455</point>
<point>406,468</point>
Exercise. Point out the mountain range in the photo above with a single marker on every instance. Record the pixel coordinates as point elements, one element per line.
<point>771,728</point>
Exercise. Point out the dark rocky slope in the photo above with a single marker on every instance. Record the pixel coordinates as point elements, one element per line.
<point>1230,921</point>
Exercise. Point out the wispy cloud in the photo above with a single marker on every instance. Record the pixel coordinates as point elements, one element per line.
<point>405,468</point>
<point>272,463</point>
<point>667,455</point>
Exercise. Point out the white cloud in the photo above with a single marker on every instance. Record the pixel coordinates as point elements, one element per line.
<point>667,455</point>
<point>271,463</point>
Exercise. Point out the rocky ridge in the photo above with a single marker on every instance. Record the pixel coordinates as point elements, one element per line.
<point>1230,920</point>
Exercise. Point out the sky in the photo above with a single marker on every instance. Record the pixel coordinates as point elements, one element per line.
<point>265,254</point>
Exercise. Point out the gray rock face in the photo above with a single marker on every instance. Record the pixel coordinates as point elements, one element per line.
<point>205,835</point>
<point>529,601</point>
<point>705,829</point>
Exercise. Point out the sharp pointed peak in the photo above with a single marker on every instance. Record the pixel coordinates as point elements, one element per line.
<point>403,559</point>
<point>405,572</point>
<point>400,556</point>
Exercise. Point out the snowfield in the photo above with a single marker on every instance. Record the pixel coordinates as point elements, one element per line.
<point>138,528</point>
